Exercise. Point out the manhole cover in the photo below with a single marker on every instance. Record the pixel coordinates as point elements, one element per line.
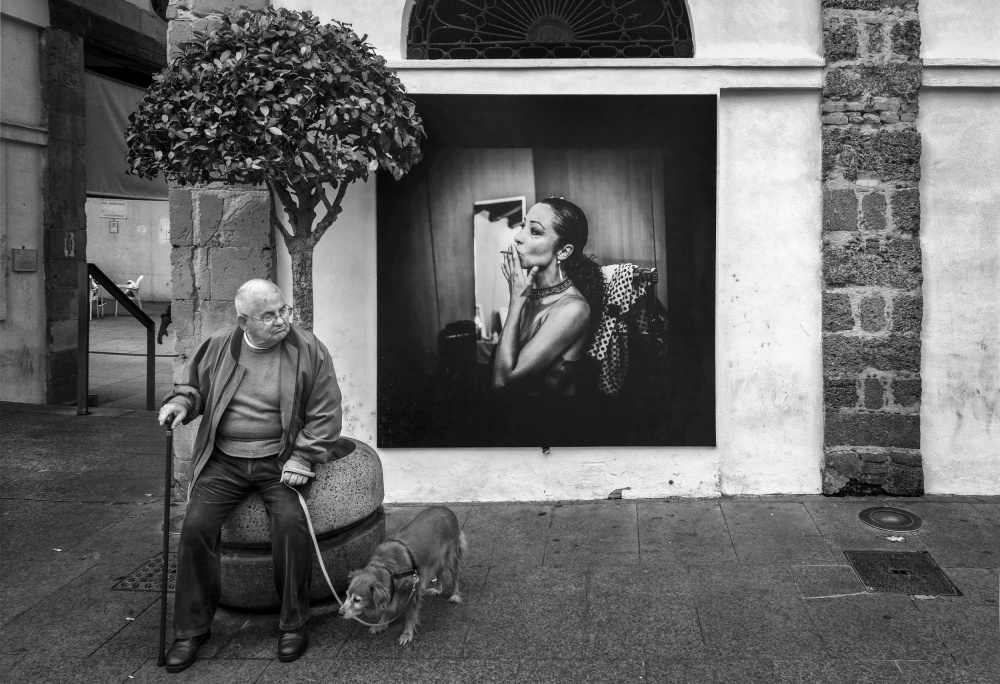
<point>901,572</point>
<point>147,576</point>
<point>891,519</point>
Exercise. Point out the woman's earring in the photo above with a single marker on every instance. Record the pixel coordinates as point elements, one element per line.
<point>559,268</point>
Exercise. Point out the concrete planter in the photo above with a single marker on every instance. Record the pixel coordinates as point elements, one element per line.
<point>248,577</point>
<point>345,506</point>
<point>346,490</point>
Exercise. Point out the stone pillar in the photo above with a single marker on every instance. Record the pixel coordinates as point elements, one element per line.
<point>872,302</point>
<point>64,218</point>
<point>220,236</point>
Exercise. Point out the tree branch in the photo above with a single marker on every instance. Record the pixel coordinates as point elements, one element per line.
<point>332,212</point>
<point>275,221</point>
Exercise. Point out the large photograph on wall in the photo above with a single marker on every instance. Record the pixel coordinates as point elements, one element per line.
<point>546,275</point>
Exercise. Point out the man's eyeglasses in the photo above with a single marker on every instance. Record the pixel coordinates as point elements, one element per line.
<point>270,317</point>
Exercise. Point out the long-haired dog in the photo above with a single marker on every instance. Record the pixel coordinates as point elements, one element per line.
<point>430,543</point>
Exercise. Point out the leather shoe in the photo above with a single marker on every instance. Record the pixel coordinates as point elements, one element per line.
<point>293,644</point>
<point>183,652</point>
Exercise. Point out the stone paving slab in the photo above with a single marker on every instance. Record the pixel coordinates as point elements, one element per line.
<point>945,672</point>
<point>360,671</point>
<point>837,520</point>
<point>716,670</point>
<point>508,535</point>
<point>978,586</point>
<point>588,672</point>
<point>588,533</point>
<point>530,613</point>
<point>958,534</point>
<point>208,671</point>
<point>839,672</point>
<point>758,626</point>
<point>875,627</point>
<point>774,533</point>
<point>820,581</point>
<point>633,611</point>
<point>970,633</point>
<point>76,620</point>
<point>991,512</point>
<point>32,531</point>
<point>28,584</point>
<point>676,532</point>
<point>46,669</point>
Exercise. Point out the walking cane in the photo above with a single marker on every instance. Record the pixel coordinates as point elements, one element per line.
<point>161,655</point>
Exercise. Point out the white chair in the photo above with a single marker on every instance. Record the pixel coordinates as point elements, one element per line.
<point>131,289</point>
<point>96,300</point>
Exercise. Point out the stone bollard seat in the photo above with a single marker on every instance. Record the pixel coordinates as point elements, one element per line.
<point>346,490</point>
<point>345,507</point>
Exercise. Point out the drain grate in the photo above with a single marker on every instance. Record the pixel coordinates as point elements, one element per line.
<point>901,572</point>
<point>147,576</point>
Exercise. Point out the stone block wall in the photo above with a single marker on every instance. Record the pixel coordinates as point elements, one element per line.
<point>872,302</point>
<point>64,219</point>
<point>220,237</point>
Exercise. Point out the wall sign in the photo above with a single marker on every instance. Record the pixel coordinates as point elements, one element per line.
<point>25,260</point>
<point>113,225</point>
<point>113,209</point>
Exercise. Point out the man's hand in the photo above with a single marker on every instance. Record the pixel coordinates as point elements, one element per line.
<point>174,413</point>
<point>290,477</point>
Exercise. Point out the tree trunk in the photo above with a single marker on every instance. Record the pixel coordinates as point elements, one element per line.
<point>301,252</point>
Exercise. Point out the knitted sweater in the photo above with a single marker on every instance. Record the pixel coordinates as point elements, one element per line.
<point>251,424</point>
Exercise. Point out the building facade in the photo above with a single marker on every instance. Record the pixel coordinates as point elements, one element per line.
<point>840,187</point>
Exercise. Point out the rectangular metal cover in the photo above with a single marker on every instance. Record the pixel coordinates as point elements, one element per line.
<point>901,572</point>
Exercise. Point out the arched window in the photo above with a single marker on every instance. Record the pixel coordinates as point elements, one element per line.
<point>546,29</point>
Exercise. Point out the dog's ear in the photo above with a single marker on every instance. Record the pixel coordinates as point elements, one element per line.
<point>380,596</point>
<point>354,573</point>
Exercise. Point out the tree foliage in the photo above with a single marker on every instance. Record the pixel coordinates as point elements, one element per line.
<point>275,97</point>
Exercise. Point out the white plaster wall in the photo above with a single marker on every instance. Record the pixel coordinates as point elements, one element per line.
<point>734,28</point>
<point>960,29</point>
<point>141,247</point>
<point>769,382</point>
<point>344,304</point>
<point>768,340</point>
<point>960,239</point>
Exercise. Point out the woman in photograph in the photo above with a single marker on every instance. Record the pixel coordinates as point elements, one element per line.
<point>556,300</point>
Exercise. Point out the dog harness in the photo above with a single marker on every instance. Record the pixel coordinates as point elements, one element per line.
<point>404,573</point>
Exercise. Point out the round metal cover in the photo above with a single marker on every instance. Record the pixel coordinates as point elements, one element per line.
<point>891,519</point>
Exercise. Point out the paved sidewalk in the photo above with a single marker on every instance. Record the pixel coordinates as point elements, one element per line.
<point>722,590</point>
<point>117,360</point>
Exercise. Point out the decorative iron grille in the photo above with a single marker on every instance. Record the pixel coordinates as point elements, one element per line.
<point>548,29</point>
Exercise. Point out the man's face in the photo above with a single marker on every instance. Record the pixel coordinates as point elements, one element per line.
<point>260,333</point>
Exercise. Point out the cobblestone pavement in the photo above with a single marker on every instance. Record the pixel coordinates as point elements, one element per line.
<point>690,590</point>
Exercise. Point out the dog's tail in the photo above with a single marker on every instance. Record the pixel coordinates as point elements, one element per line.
<point>463,546</point>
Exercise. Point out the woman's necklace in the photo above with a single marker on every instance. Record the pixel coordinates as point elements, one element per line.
<point>537,294</point>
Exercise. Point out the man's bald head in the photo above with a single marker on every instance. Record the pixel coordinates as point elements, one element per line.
<point>251,293</point>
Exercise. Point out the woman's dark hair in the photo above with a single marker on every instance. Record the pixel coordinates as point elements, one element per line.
<point>572,228</point>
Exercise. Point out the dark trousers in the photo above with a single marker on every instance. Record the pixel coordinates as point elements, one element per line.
<point>222,485</point>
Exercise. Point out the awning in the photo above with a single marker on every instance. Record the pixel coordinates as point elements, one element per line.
<point>109,104</point>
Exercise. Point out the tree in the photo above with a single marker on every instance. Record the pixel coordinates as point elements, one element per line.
<point>274,97</point>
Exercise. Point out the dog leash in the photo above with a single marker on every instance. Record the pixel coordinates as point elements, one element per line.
<point>326,575</point>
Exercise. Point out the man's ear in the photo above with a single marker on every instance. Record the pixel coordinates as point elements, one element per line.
<point>241,321</point>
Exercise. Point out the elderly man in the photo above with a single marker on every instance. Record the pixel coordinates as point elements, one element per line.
<point>271,410</point>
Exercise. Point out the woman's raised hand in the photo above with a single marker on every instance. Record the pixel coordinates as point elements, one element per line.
<point>519,282</point>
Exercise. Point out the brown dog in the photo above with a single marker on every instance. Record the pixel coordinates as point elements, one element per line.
<point>398,574</point>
